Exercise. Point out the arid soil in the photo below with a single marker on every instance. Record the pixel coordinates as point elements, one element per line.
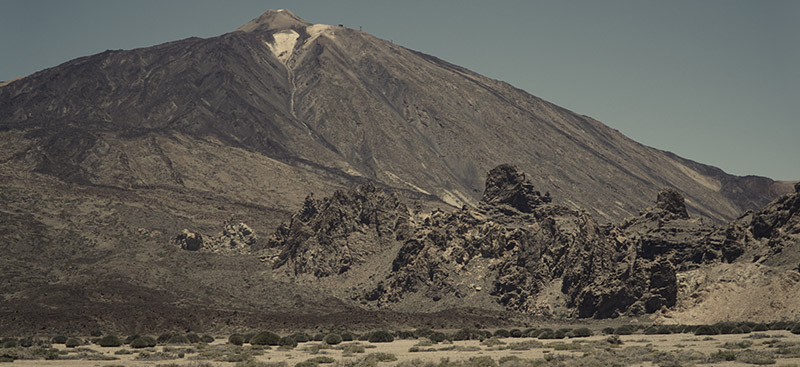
<point>780,348</point>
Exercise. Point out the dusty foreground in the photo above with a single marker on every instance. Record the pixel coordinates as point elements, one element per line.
<point>779,348</point>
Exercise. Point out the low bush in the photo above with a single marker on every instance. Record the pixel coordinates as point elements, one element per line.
<point>332,339</point>
<point>96,333</point>
<point>755,357</point>
<point>321,359</point>
<point>515,333</point>
<point>59,339</point>
<point>437,337</point>
<point>207,338</point>
<point>318,337</point>
<point>287,342</point>
<point>608,330</point>
<point>301,337</point>
<point>236,339</point>
<point>796,329</point>
<point>352,349</point>
<point>348,336</point>
<point>380,336</point>
<point>177,339</point>
<point>72,343</point>
<point>265,338</point>
<point>109,341</point>
<point>143,342</point>
<point>624,330</point>
<point>8,343</point>
<point>193,338</point>
<point>722,355</point>
<point>706,330</point>
<point>502,333</point>
<point>581,333</point>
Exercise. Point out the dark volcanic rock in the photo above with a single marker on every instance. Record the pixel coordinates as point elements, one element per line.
<point>507,185</point>
<point>188,240</point>
<point>329,236</point>
<point>672,201</point>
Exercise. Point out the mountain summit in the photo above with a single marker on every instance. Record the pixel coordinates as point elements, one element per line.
<point>274,20</point>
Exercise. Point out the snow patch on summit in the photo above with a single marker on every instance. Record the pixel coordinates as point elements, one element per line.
<point>282,45</point>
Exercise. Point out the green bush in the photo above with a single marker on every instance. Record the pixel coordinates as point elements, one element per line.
<point>130,338</point>
<point>502,333</point>
<point>306,364</point>
<point>706,330</point>
<point>406,334</point>
<point>318,337</point>
<point>760,327</point>
<point>515,333</point>
<point>723,355</point>
<point>624,330</point>
<point>321,359</point>
<point>581,333</point>
<point>59,339</point>
<point>109,341</point>
<point>236,339</point>
<point>207,338</point>
<point>608,330</point>
<point>482,361</point>
<point>25,342</point>
<point>796,329</point>
<point>265,338</point>
<point>380,336</point>
<point>96,333</point>
<point>8,343</point>
<point>287,342</point>
<point>193,338</point>
<point>353,348</point>
<point>72,343</point>
<point>437,337</point>
<point>348,336</point>
<point>163,338</point>
<point>143,342</point>
<point>332,339</point>
<point>381,357</point>
<point>301,337</point>
<point>178,339</point>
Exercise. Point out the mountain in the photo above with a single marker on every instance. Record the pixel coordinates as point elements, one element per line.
<point>107,158</point>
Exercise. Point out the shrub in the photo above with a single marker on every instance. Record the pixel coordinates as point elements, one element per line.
<point>437,337</point>
<point>178,339</point>
<point>502,333</point>
<point>143,342</point>
<point>348,336</point>
<point>25,342</point>
<point>332,339</point>
<point>207,338</point>
<point>760,327</point>
<point>301,337</point>
<point>614,340</point>
<point>608,330</point>
<point>193,338</point>
<point>96,333</point>
<point>706,330</point>
<point>405,334</point>
<point>318,337</point>
<point>353,348</point>
<point>265,338</point>
<point>624,330</point>
<point>321,359</point>
<point>236,339</point>
<point>723,355</point>
<point>755,357</point>
<point>381,357</point>
<point>515,333</point>
<point>796,329</point>
<point>109,341</point>
<point>9,343</point>
<point>482,361</point>
<point>130,338</point>
<point>306,364</point>
<point>380,336</point>
<point>72,343</point>
<point>287,342</point>
<point>581,333</point>
<point>59,339</point>
<point>163,338</point>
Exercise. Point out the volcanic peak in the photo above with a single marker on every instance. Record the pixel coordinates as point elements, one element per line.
<point>274,20</point>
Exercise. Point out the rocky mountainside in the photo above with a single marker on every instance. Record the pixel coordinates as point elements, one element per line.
<point>283,107</point>
<point>107,158</point>
<point>517,251</point>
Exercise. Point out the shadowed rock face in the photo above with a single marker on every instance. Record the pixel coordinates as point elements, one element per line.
<point>478,255</point>
<point>672,201</point>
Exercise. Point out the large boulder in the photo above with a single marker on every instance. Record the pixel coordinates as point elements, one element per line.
<point>507,185</point>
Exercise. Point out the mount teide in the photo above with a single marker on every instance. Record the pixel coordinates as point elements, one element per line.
<point>106,157</point>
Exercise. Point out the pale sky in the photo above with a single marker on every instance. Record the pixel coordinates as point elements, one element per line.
<point>713,81</point>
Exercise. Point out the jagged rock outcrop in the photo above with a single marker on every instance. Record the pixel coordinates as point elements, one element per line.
<point>507,185</point>
<point>329,236</point>
<point>235,238</point>
<point>189,240</point>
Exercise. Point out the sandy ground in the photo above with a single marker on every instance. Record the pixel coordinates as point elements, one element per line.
<point>400,348</point>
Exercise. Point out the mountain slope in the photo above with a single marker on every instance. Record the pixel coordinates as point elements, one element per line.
<point>346,106</point>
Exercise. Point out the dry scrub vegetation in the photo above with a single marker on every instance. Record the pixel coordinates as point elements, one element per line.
<point>726,344</point>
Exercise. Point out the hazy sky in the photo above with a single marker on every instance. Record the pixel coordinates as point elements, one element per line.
<point>713,81</point>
